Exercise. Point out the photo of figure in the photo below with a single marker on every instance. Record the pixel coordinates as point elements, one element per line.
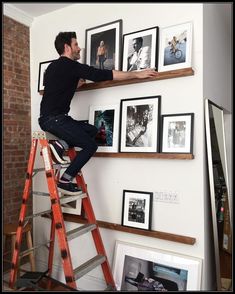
<point>176,134</point>
<point>136,212</point>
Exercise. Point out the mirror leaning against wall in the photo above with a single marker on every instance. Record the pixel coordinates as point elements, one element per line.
<point>221,199</point>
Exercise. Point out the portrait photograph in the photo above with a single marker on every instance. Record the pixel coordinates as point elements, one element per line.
<point>177,133</point>
<point>140,50</point>
<point>175,46</point>
<point>105,119</point>
<point>141,268</point>
<point>103,44</point>
<point>137,209</point>
<point>139,124</point>
<point>41,75</point>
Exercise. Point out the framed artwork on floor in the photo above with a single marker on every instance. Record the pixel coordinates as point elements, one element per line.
<point>42,71</point>
<point>177,133</point>
<point>106,119</point>
<point>175,47</point>
<point>103,45</point>
<point>137,209</point>
<point>139,124</point>
<point>140,268</point>
<point>140,50</point>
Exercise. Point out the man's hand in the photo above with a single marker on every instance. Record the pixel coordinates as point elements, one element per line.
<point>80,83</point>
<point>127,75</point>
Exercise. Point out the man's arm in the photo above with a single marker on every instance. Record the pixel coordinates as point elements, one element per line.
<point>127,75</point>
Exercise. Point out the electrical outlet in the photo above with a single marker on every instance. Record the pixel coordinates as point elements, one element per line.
<point>166,196</point>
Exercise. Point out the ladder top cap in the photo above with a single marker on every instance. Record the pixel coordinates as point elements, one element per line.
<point>44,135</point>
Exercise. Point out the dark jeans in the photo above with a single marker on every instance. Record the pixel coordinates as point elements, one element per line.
<point>76,134</point>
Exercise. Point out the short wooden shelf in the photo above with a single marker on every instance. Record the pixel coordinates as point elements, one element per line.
<point>145,155</point>
<point>161,76</point>
<point>117,227</point>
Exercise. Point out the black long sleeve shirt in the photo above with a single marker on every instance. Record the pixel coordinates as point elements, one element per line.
<point>61,80</point>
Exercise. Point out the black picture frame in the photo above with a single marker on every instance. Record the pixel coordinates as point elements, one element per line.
<point>147,56</point>
<point>111,34</point>
<point>42,70</point>
<point>137,209</point>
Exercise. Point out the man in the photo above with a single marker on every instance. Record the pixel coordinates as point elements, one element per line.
<point>61,81</point>
<point>140,59</point>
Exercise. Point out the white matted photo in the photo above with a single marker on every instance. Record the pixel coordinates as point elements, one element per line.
<point>139,124</point>
<point>175,47</point>
<point>140,268</point>
<point>177,133</point>
<point>41,75</point>
<point>106,119</point>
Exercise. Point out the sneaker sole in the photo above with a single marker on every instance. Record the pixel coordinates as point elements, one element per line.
<point>59,160</point>
<point>66,192</point>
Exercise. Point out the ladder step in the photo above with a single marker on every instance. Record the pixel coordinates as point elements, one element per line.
<point>28,251</point>
<point>80,231</point>
<point>89,266</point>
<point>55,166</point>
<point>67,198</point>
<point>38,214</point>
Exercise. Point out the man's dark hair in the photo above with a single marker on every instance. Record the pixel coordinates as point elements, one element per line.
<point>63,38</point>
<point>139,40</point>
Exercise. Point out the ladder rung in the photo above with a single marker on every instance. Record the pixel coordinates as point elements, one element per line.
<point>66,198</point>
<point>28,251</point>
<point>55,166</point>
<point>38,214</point>
<point>88,266</point>
<point>40,193</point>
<point>79,231</point>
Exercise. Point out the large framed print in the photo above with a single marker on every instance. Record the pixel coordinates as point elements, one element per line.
<point>137,209</point>
<point>103,45</point>
<point>41,75</point>
<point>140,268</point>
<point>139,124</point>
<point>105,118</point>
<point>140,50</point>
<point>175,47</point>
<point>177,133</point>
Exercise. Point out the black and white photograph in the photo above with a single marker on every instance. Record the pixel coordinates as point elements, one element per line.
<point>137,209</point>
<point>175,47</point>
<point>141,268</point>
<point>177,133</point>
<point>41,75</point>
<point>139,124</point>
<point>140,50</point>
<point>103,45</point>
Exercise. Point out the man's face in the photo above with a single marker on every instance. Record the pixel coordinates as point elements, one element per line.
<point>136,45</point>
<point>75,49</point>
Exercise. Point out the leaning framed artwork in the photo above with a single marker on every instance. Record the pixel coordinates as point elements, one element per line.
<point>41,75</point>
<point>139,124</point>
<point>177,133</point>
<point>140,50</point>
<point>175,47</point>
<point>137,209</point>
<point>103,45</point>
<point>140,268</point>
<point>106,119</point>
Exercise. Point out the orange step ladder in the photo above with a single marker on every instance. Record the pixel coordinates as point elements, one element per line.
<point>57,221</point>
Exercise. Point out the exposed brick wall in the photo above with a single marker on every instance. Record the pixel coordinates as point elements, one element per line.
<point>16,116</point>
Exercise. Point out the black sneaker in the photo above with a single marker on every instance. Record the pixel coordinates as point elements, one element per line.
<point>69,188</point>
<point>57,151</point>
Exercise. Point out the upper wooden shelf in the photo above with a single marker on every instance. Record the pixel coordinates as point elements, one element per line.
<point>161,76</point>
<point>145,155</point>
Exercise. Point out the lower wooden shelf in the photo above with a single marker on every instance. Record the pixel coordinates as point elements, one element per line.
<point>117,227</point>
<point>145,155</point>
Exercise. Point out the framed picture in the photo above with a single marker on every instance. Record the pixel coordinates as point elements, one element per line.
<point>137,209</point>
<point>103,45</point>
<point>42,70</point>
<point>175,46</point>
<point>106,119</point>
<point>139,124</point>
<point>73,207</point>
<point>177,133</point>
<point>140,50</point>
<point>139,268</point>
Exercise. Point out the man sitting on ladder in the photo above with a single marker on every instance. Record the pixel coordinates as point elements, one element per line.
<point>63,76</point>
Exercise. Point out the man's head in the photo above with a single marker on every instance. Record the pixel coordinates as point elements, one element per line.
<point>137,43</point>
<point>66,45</point>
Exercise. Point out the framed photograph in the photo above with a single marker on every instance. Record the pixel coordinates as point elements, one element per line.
<point>42,70</point>
<point>137,209</point>
<point>175,47</point>
<point>106,119</point>
<point>140,50</point>
<point>73,207</point>
<point>177,133</point>
<point>139,124</point>
<point>140,268</point>
<point>103,45</point>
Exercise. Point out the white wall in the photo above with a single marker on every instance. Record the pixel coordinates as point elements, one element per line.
<point>108,177</point>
